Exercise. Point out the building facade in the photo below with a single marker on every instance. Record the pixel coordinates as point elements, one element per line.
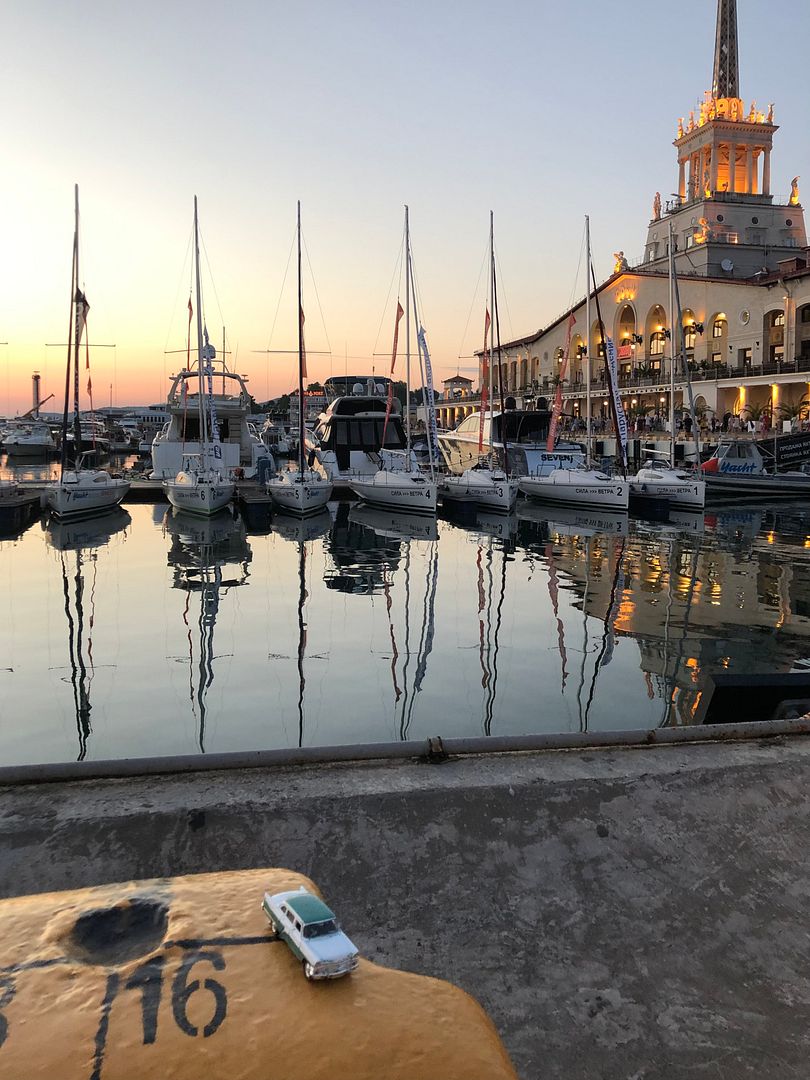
<point>743,270</point>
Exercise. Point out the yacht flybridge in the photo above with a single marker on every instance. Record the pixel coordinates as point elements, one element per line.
<point>239,441</point>
<point>347,441</point>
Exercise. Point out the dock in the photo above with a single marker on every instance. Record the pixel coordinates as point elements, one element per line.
<point>618,912</point>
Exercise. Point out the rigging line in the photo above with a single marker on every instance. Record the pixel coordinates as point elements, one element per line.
<point>395,276</point>
<point>281,292</point>
<point>213,283</point>
<point>609,615</point>
<point>186,260</point>
<point>317,297</point>
<point>474,299</point>
<point>572,296</point>
<point>505,298</point>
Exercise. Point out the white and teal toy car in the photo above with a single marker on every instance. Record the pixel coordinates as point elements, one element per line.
<point>311,931</point>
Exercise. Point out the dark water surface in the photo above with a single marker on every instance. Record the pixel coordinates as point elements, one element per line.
<point>147,632</point>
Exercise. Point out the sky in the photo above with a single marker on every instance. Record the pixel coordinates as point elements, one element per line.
<point>537,110</point>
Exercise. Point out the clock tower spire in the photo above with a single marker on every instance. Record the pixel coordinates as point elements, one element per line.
<point>726,79</point>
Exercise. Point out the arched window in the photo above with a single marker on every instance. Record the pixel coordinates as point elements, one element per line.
<point>719,326</point>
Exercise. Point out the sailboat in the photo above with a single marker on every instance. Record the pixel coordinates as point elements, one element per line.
<point>658,478</point>
<point>303,491</point>
<point>79,491</point>
<point>401,485</point>
<point>200,486</point>
<point>588,486</point>
<point>485,483</point>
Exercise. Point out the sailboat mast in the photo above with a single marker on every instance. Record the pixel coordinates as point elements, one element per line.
<point>77,430</point>
<point>200,382</point>
<point>71,331</point>
<point>496,322</point>
<point>408,338</point>
<point>672,321</point>
<point>300,357</point>
<point>587,342</point>
<point>492,331</point>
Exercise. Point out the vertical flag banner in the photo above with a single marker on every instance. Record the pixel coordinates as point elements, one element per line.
<point>484,382</point>
<point>303,346</point>
<point>558,397</point>
<point>431,401</point>
<point>390,402</point>
<point>618,410</point>
<point>208,353</point>
<point>188,344</point>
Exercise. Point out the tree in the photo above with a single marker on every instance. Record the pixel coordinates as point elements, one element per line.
<point>794,410</point>
<point>315,388</point>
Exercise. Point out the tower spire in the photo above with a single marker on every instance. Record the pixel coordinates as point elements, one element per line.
<point>726,78</point>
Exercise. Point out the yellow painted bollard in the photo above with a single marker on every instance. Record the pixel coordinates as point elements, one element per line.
<point>181,978</point>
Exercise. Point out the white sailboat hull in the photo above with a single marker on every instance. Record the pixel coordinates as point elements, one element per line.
<point>205,497</point>
<point>300,493</point>
<point>483,487</point>
<point>669,485</point>
<point>87,492</point>
<point>578,487</point>
<point>398,490</point>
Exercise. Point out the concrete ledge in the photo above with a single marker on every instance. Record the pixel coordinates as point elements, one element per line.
<point>618,913</point>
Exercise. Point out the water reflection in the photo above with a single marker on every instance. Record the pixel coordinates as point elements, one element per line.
<point>359,557</point>
<point>78,545</point>
<point>209,556</point>
<point>301,530</point>
<point>361,625</point>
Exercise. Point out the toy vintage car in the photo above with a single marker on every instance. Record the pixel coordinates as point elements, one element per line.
<point>311,931</point>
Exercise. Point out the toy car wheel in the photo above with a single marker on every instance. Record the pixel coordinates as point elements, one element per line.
<point>308,970</point>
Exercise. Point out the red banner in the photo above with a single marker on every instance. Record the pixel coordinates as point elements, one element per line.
<point>303,346</point>
<point>484,383</point>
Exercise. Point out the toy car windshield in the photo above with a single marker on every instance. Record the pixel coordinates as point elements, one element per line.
<point>318,929</point>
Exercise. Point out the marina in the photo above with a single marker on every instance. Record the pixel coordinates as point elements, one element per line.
<point>255,625</point>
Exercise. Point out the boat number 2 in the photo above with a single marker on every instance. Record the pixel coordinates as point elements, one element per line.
<point>619,490</point>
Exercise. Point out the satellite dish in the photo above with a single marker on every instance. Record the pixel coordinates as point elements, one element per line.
<point>727,265</point>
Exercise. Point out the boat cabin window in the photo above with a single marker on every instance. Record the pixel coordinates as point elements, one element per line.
<point>470,424</point>
<point>364,435</point>
<point>522,427</point>
<point>353,406</point>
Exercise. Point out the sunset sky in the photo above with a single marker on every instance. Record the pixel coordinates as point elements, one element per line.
<point>538,110</point>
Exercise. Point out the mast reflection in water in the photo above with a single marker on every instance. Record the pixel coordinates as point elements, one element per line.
<point>201,549</point>
<point>366,626</point>
<point>78,545</point>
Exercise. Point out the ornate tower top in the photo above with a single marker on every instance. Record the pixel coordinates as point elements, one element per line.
<point>726,80</point>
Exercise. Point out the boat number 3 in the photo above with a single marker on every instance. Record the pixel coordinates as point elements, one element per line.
<point>499,492</point>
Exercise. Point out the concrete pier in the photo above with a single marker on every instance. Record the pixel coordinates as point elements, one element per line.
<point>636,913</point>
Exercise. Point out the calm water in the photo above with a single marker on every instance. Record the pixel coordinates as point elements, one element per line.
<point>146,632</point>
